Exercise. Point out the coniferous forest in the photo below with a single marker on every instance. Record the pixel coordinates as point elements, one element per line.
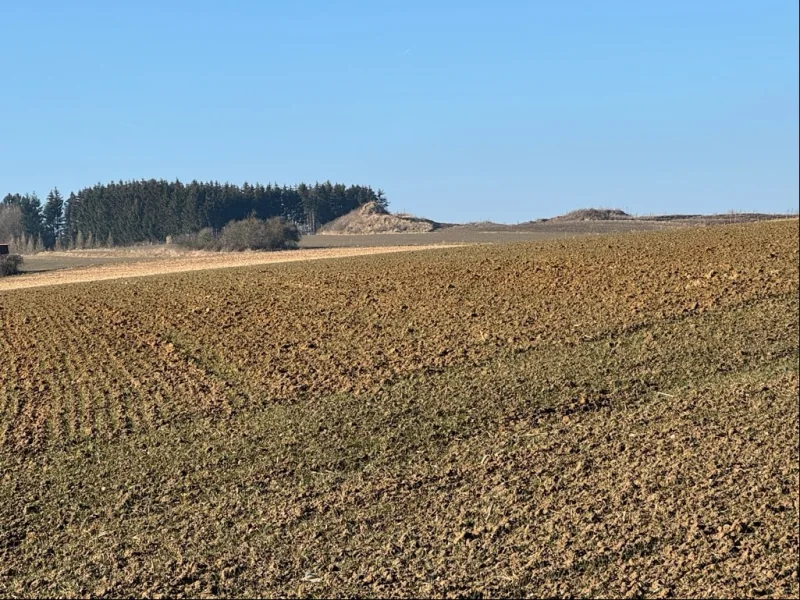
<point>132,212</point>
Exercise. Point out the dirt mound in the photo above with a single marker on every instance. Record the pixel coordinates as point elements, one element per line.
<point>594,214</point>
<point>373,218</point>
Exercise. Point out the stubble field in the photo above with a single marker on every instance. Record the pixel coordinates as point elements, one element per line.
<point>604,416</point>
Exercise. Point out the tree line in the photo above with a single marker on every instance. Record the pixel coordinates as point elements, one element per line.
<point>130,212</point>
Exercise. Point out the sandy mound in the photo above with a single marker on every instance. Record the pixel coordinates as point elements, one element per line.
<point>594,214</point>
<point>373,218</point>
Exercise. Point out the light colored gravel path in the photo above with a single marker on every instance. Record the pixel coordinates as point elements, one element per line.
<point>183,264</point>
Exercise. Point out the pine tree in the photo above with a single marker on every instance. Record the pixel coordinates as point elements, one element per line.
<point>150,210</point>
<point>79,243</point>
<point>89,241</point>
<point>110,240</point>
<point>69,221</point>
<point>380,199</point>
<point>52,217</point>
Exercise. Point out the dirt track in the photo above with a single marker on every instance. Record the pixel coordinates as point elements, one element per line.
<point>182,264</point>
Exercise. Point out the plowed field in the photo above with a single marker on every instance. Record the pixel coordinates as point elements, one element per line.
<point>603,416</point>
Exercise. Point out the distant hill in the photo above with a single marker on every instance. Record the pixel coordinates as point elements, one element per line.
<point>594,214</point>
<point>612,219</point>
<point>372,218</point>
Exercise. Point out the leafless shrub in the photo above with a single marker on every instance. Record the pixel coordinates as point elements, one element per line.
<point>257,234</point>
<point>10,223</point>
<point>249,234</point>
<point>205,239</point>
<point>9,264</point>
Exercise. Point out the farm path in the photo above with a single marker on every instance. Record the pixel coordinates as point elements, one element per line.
<point>184,264</point>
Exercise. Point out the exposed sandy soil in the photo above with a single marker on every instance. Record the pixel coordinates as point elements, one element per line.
<point>373,219</point>
<point>123,265</point>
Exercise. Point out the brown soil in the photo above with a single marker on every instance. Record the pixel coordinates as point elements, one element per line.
<point>605,416</point>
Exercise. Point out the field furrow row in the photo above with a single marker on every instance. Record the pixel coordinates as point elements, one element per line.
<point>113,357</point>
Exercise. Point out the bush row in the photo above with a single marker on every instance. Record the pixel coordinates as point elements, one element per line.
<point>249,234</point>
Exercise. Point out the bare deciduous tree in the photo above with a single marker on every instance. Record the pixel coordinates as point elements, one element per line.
<point>10,223</point>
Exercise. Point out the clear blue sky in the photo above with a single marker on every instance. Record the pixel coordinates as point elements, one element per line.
<point>459,110</point>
